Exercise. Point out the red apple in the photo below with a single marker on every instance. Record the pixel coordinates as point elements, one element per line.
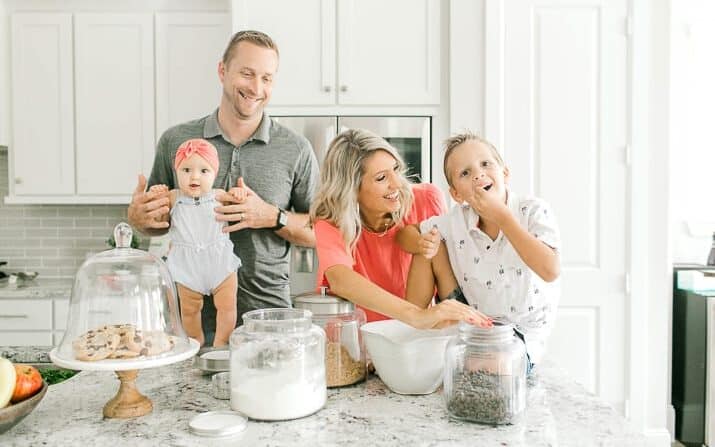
<point>28,382</point>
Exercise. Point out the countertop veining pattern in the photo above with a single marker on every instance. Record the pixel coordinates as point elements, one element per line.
<point>559,413</point>
<point>39,288</point>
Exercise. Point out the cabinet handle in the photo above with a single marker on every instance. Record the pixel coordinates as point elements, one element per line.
<point>327,89</point>
<point>343,88</point>
<point>18,181</point>
<point>19,316</point>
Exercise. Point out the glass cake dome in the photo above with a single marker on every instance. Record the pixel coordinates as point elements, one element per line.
<point>123,313</point>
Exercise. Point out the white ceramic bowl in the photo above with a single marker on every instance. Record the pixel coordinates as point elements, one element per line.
<point>408,360</point>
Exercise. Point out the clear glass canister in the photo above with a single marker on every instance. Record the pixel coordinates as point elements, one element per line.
<point>345,359</point>
<point>277,365</point>
<point>485,375</point>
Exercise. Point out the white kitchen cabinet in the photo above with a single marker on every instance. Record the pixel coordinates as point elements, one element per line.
<point>388,51</point>
<point>114,91</point>
<point>42,156</point>
<point>25,322</point>
<point>83,106</point>
<point>61,311</point>
<point>350,52</point>
<point>26,314</point>
<point>188,49</point>
<point>59,320</point>
<point>305,34</point>
<point>26,338</point>
<point>4,78</point>
<point>32,322</point>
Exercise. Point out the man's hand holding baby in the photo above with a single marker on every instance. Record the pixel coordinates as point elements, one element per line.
<point>149,210</point>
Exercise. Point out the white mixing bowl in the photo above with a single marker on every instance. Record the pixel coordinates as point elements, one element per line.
<point>408,360</point>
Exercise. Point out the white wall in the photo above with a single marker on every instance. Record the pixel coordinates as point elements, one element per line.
<point>655,313</point>
<point>692,123</point>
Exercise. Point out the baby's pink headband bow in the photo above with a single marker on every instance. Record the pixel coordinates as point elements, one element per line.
<point>200,147</point>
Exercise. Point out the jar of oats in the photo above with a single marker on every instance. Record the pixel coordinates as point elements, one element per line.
<point>345,359</point>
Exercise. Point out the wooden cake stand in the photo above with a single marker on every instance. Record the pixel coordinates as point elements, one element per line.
<point>128,402</point>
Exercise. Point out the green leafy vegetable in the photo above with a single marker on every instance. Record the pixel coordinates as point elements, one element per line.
<point>53,376</point>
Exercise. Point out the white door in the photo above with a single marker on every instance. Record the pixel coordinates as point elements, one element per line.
<point>388,52</point>
<point>189,47</point>
<point>305,34</point>
<point>42,100</point>
<point>564,136</point>
<point>114,94</point>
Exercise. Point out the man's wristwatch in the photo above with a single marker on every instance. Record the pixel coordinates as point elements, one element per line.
<point>282,219</point>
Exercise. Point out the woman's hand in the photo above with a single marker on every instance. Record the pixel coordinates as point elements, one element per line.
<point>447,313</point>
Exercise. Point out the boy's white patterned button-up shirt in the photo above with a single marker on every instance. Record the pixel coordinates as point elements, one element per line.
<point>491,274</point>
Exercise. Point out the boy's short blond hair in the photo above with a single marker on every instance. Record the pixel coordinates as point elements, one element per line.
<point>455,140</point>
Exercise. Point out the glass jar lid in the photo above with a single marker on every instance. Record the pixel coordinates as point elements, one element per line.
<point>501,332</point>
<point>323,303</point>
<point>215,424</point>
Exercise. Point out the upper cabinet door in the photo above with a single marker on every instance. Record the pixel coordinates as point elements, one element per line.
<point>114,65</point>
<point>305,34</point>
<point>189,47</point>
<point>42,154</point>
<point>388,52</point>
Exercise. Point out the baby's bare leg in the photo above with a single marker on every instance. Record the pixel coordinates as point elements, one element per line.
<point>191,303</point>
<point>225,303</point>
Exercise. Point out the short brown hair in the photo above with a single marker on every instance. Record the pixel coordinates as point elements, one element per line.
<point>452,142</point>
<point>255,37</point>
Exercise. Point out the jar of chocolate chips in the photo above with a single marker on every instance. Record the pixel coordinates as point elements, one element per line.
<point>485,375</point>
<point>345,359</point>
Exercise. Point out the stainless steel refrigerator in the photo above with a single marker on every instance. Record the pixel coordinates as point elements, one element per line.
<point>410,135</point>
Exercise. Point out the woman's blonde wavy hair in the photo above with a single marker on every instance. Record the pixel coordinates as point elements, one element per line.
<point>341,176</point>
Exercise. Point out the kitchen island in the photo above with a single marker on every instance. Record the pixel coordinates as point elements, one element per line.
<point>559,413</point>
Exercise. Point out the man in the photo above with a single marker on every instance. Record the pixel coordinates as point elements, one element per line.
<point>277,166</point>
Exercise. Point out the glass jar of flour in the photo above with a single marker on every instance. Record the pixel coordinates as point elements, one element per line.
<point>277,365</point>
<point>485,375</point>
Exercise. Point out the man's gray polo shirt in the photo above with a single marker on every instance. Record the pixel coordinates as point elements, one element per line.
<point>278,165</point>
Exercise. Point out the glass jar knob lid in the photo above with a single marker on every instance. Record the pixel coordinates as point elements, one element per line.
<point>123,235</point>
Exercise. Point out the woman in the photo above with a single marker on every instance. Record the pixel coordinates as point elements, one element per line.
<point>363,202</point>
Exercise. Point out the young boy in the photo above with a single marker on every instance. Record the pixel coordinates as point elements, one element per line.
<point>503,249</point>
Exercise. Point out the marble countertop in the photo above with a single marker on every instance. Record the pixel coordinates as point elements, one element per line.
<point>559,413</point>
<point>45,288</point>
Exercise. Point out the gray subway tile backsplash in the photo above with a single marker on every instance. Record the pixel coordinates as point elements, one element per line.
<point>53,240</point>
